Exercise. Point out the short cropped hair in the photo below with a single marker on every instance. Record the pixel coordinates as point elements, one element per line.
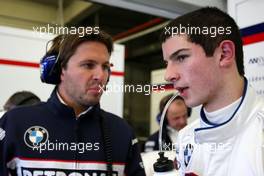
<point>197,22</point>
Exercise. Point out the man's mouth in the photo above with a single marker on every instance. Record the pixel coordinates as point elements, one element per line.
<point>96,88</point>
<point>182,90</point>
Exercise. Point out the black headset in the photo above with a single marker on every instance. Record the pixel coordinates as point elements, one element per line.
<point>107,143</point>
<point>48,70</point>
<point>49,67</point>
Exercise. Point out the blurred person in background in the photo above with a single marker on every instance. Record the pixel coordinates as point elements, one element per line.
<point>175,119</point>
<point>20,98</point>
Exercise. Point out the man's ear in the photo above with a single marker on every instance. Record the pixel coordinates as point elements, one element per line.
<point>227,50</point>
<point>62,74</point>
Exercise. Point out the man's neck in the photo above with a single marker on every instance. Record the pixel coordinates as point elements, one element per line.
<point>77,108</point>
<point>230,91</point>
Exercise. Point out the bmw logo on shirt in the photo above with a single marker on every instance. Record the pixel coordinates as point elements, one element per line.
<point>36,136</point>
<point>188,153</point>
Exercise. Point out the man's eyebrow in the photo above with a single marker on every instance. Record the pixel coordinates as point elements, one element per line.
<point>107,63</point>
<point>89,60</point>
<point>94,61</point>
<point>175,54</point>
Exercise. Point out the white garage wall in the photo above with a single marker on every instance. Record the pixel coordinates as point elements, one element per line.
<point>249,16</point>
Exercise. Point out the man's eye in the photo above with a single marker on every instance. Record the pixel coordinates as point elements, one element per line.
<point>89,65</point>
<point>106,67</point>
<point>180,58</point>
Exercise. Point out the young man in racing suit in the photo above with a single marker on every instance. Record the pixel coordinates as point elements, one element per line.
<point>70,135</point>
<point>204,56</point>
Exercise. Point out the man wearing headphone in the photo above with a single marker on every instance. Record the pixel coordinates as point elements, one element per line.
<point>70,134</point>
<point>175,120</point>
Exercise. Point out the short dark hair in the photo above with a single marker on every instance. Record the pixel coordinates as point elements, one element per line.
<point>209,17</point>
<point>65,45</point>
<point>21,98</point>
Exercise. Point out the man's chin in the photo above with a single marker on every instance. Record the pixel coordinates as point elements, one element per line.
<point>93,100</point>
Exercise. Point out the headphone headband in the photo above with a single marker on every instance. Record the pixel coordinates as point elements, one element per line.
<point>49,68</point>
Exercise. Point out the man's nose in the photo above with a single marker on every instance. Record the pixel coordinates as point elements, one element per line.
<point>171,74</point>
<point>99,73</point>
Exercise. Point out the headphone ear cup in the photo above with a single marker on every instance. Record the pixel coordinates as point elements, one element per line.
<point>49,73</point>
